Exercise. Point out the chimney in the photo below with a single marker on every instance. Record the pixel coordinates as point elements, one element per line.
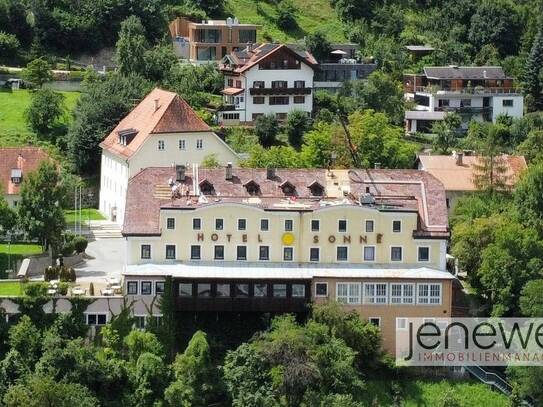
<point>157,106</point>
<point>180,173</point>
<point>459,157</point>
<point>228,173</point>
<point>270,173</point>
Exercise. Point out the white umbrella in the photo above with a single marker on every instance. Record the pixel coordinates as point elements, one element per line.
<point>338,52</point>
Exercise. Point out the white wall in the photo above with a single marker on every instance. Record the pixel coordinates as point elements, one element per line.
<point>517,110</point>
<point>114,176</point>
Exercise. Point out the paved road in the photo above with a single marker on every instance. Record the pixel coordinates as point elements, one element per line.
<point>105,259</point>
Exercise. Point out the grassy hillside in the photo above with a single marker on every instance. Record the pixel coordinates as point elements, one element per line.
<point>312,15</point>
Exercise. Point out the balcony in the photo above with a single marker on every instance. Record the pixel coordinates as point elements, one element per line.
<point>463,109</point>
<point>478,90</point>
<point>280,91</point>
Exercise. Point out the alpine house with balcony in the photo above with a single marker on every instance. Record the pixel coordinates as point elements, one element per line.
<point>270,78</point>
<point>475,92</point>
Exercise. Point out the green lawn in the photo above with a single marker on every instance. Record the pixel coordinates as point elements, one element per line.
<point>312,15</point>
<point>18,251</point>
<point>86,214</point>
<point>11,288</point>
<point>428,393</point>
<point>13,129</point>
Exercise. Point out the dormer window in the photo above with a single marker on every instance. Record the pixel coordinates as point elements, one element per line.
<point>316,189</point>
<point>126,136</point>
<point>207,187</point>
<point>252,188</point>
<point>16,175</point>
<point>288,188</point>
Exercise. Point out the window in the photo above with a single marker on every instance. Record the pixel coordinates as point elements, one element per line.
<point>401,324</point>
<point>185,289</point>
<point>242,290</point>
<point>258,84</point>
<point>321,289</point>
<point>342,253</point>
<point>443,102</point>
<point>242,224</point>
<point>278,100</point>
<point>242,252</point>
<point>230,83</point>
<point>259,100</point>
<point>238,84</point>
<point>298,290</point>
<point>279,290</point>
<point>161,145</point>
<point>369,253</point>
<point>395,253</point>
<point>315,225</point>
<point>264,225</point>
<point>264,253</point>
<point>170,223</point>
<point>279,84</point>
<point>369,226</point>
<point>203,290</point>
<point>145,251</point>
<point>196,224</point>
<point>199,144</point>
<point>139,321</point>
<point>299,84</point>
<point>230,116</point>
<point>261,290</point>
<point>424,253</point>
<point>299,99</point>
<point>132,288</point>
<point>396,226</point>
<point>402,293</point>
<point>429,293</point>
<point>375,321</point>
<point>182,145</point>
<point>507,103</point>
<point>159,287</point>
<point>348,293</point>
<point>195,252</point>
<point>170,251</point>
<point>288,253</point>
<point>219,224</point>
<point>206,53</point>
<point>465,102</point>
<point>96,319</point>
<point>342,225</point>
<point>375,293</point>
<point>314,254</point>
<point>223,290</point>
<point>146,288</point>
<point>288,225</point>
<point>219,253</point>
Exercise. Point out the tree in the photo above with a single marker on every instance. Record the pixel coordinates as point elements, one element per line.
<point>318,45</point>
<point>318,149</point>
<point>151,377</point>
<point>25,339</point>
<point>46,107</point>
<point>532,78</point>
<point>531,301</point>
<point>353,10</point>
<point>194,83</point>
<point>528,194</point>
<point>211,161</point>
<point>9,45</point>
<point>158,62</point>
<point>532,147</point>
<point>40,212</point>
<point>8,217</point>
<point>37,72</point>
<point>286,15</point>
<point>266,129</point>
<point>273,157</point>
<point>139,342</point>
<point>298,122</point>
<point>131,47</point>
<point>446,132</point>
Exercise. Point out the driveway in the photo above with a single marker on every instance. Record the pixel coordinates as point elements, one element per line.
<point>105,258</point>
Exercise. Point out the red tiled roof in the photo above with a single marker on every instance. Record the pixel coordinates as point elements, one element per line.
<point>159,112</point>
<point>393,190</point>
<point>231,91</point>
<point>27,159</point>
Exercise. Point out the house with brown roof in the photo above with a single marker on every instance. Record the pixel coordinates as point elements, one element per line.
<point>15,164</point>
<point>458,172</point>
<point>266,79</point>
<point>162,130</point>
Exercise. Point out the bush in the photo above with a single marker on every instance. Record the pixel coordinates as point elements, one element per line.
<point>67,274</point>
<point>68,249</point>
<point>51,273</point>
<point>63,288</point>
<point>80,244</point>
<point>286,15</point>
<point>46,108</point>
<point>36,289</point>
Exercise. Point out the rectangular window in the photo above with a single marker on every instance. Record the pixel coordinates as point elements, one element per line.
<point>314,254</point>
<point>395,253</point>
<point>299,84</point>
<point>219,224</point>
<point>159,287</point>
<point>170,223</point>
<point>375,321</point>
<point>315,225</point>
<point>132,288</point>
<point>242,253</point>
<point>402,293</point>
<point>185,289</point>
<point>261,290</point>
<point>139,321</point>
<point>429,294</point>
<point>279,290</point>
<point>423,253</point>
<point>242,224</point>
<point>465,102</point>
<point>170,251</point>
<point>264,225</point>
<point>288,253</point>
<point>348,293</point>
<point>279,84</point>
<point>230,83</point>
<point>369,226</point>
<point>298,290</point>
<point>199,144</point>
<point>258,84</point>
<point>264,253</point>
<point>242,290</point>
<point>443,102</point>
<point>396,226</point>
<point>278,100</point>
<point>145,251</point>
<point>146,288</point>
<point>507,103</point>
<point>369,253</point>
<point>204,290</point>
<point>401,324</point>
<point>375,293</point>
<point>342,226</point>
<point>195,252</point>
<point>161,145</point>
<point>182,145</point>
<point>96,319</point>
<point>219,253</point>
<point>288,225</point>
<point>196,224</point>
<point>299,99</point>
<point>238,84</point>
<point>321,289</point>
<point>342,253</point>
<point>259,100</point>
<point>223,290</point>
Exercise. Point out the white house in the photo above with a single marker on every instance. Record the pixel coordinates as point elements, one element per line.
<point>270,78</point>
<point>162,130</point>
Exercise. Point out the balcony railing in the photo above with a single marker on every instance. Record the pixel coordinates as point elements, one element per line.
<point>280,91</point>
<point>478,90</point>
<point>462,109</point>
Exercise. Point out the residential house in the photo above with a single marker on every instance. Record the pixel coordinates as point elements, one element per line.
<point>162,130</point>
<point>266,79</point>
<point>475,92</point>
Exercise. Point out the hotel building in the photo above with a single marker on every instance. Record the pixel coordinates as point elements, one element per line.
<point>273,241</point>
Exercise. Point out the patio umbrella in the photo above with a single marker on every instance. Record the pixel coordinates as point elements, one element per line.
<point>338,52</point>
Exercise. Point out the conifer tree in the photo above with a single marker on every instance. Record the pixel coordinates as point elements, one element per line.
<point>533,73</point>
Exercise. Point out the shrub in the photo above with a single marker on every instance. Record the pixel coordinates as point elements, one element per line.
<point>80,244</point>
<point>46,108</point>
<point>67,274</point>
<point>286,15</point>
<point>51,273</point>
<point>91,289</point>
<point>266,129</point>
<point>36,289</point>
<point>63,288</point>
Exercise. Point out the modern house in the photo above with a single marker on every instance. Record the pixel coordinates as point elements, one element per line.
<point>475,92</point>
<point>210,40</point>
<point>458,171</point>
<point>15,164</point>
<point>271,241</point>
<point>270,78</point>
<point>162,130</point>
